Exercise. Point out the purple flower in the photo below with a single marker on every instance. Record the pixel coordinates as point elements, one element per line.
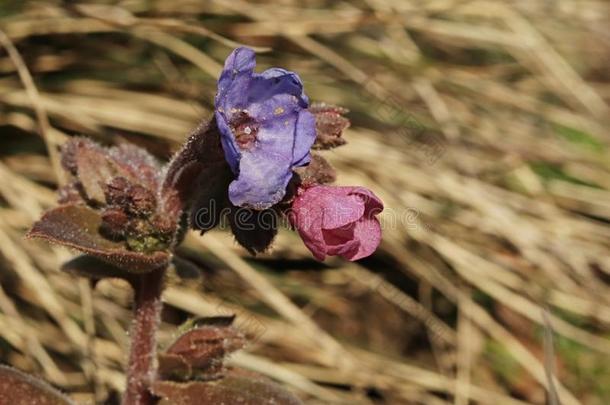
<point>265,129</point>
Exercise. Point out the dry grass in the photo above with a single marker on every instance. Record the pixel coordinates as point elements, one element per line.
<point>483,125</point>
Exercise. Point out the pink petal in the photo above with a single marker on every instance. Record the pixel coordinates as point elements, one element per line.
<point>373,205</point>
<point>341,241</point>
<point>313,239</point>
<point>340,208</point>
<point>307,220</point>
<point>368,233</point>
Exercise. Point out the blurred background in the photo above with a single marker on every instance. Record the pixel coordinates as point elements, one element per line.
<point>483,125</point>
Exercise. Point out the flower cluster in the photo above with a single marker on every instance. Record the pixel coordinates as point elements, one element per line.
<point>268,130</point>
<point>111,208</point>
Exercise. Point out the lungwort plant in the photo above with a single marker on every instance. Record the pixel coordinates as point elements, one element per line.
<point>251,165</point>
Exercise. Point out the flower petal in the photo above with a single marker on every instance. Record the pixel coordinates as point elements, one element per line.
<point>341,241</point>
<point>340,208</point>
<point>274,107</point>
<point>367,232</point>
<point>277,81</point>
<point>304,139</point>
<point>373,204</point>
<point>227,139</point>
<point>235,79</point>
<point>265,170</point>
<point>307,220</point>
<point>342,211</point>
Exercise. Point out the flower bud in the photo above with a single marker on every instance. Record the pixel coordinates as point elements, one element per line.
<point>319,171</point>
<point>330,124</point>
<point>114,222</point>
<point>338,221</point>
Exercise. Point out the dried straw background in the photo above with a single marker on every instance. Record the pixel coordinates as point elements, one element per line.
<point>483,125</point>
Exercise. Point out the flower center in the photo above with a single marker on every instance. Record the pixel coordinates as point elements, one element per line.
<point>245,129</point>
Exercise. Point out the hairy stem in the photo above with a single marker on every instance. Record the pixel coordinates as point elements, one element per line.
<point>147,311</point>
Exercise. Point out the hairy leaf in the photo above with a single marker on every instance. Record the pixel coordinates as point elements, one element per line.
<point>18,388</point>
<point>93,169</point>
<point>93,268</point>
<point>237,388</point>
<point>137,164</point>
<point>94,166</point>
<point>71,193</point>
<point>78,227</point>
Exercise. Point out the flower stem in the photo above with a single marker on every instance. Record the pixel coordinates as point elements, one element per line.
<point>147,314</point>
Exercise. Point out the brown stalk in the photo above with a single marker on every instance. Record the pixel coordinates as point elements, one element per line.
<point>147,315</point>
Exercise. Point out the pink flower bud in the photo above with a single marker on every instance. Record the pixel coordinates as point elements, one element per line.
<point>338,221</point>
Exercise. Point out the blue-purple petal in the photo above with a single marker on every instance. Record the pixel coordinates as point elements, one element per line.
<point>305,136</point>
<point>264,171</point>
<point>277,81</point>
<point>275,107</point>
<point>227,140</point>
<point>235,79</point>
